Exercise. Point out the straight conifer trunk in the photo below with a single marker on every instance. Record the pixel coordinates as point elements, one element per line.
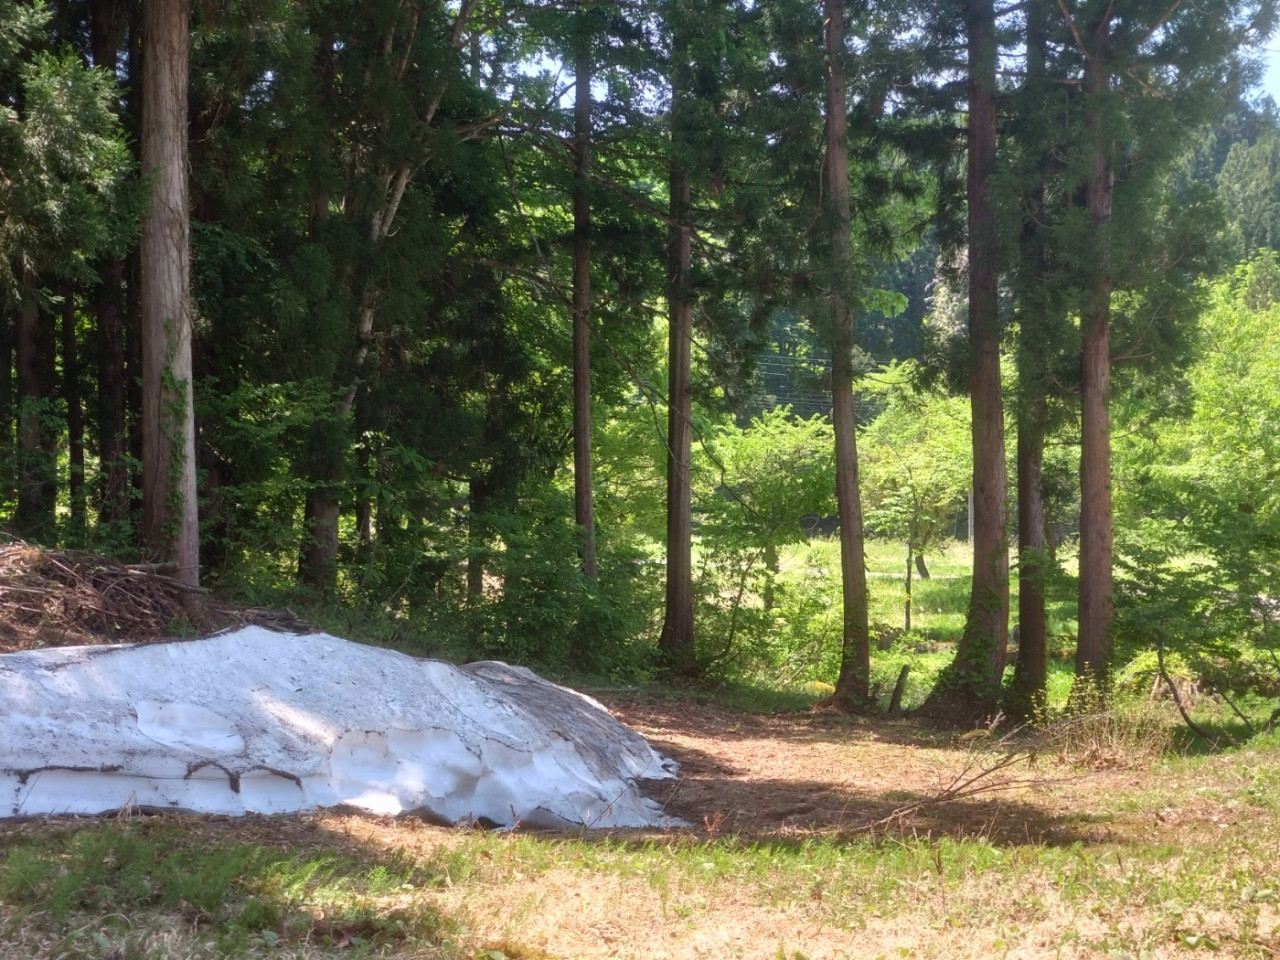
<point>584,499</point>
<point>1031,672</point>
<point>677,628</point>
<point>107,27</point>
<point>113,476</point>
<point>982,647</point>
<point>37,443</point>
<point>168,424</point>
<point>853,683</point>
<point>974,684</point>
<point>75,413</point>
<point>1093,650</point>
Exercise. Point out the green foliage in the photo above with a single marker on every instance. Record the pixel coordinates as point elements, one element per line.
<point>1202,497</point>
<point>64,197</point>
<point>915,462</point>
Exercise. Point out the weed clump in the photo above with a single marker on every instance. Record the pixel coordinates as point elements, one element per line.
<point>1101,732</point>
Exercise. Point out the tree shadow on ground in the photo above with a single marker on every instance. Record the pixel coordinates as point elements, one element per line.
<point>658,712</point>
<point>716,798</point>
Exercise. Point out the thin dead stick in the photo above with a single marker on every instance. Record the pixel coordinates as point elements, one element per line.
<point>1177,697</point>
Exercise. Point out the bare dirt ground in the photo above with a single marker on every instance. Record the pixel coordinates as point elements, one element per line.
<point>762,775</point>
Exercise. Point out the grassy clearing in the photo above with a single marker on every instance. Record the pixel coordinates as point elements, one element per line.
<point>1135,859</point>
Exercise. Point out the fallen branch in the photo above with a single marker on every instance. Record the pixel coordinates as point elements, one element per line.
<point>1177,697</point>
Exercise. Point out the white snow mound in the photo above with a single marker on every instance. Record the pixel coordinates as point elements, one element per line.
<point>255,721</point>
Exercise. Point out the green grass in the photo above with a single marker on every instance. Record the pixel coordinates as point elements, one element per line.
<point>1145,884</point>
<point>236,897</point>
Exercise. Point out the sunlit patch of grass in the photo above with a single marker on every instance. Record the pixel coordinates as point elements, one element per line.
<point>111,889</point>
<point>1167,857</point>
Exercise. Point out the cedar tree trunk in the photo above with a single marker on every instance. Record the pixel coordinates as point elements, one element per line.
<point>677,628</point>
<point>1093,652</point>
<point>584,503</point>
<point>170,527</point>
<point>853,683</point>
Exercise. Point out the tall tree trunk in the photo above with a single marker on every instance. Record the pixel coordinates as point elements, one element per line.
<point>37,439</point>
<point>75,415</point>
<point>677,628</point>
<point>1031,671</point>
<point>133,387</point>
<point>1027,692</point>
<point>109,26</point>
<point>1093,652</point>
<point>477,552</point>
<point>973,686</point>
<point>170,527</point>
<point>906,603</point>
<point>584,502</point>
<point>676,640</point>
<point>8,410</point>
<point>113,468</point>
<point>853,684</point>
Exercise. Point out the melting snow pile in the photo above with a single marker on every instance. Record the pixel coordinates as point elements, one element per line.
<point>261,722</point>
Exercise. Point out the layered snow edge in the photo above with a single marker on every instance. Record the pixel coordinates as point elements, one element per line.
<point>255,721</point>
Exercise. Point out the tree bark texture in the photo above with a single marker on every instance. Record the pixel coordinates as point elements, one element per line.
<point>677,628</point>
<point>584,501</point>
<point>113,489</point>
<point>1031,671</point>
<point>980,656</point>
<point>75,414</point>
<point>853,683</point>
<point>1093,651</point>
<point>170,527</point>
<point>1034,377</point>
<point>37,442</point>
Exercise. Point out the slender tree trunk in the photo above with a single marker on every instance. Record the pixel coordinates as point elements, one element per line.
<point>677,629</point>
<point>108,27</point>
<point>113,468</point>
<point>8,409</point>
<point>133,387</point>
<point>974,684</point>
<point>584,502</point>
<point>37,440</point>
<point>477,554</point>
<point>1031,671</point>
<point>170,526</point>
<point>906,604</point>
<point>853,683</point>
<point>922,568</point>
<point>75,415</point>
<point>1093,652</point>
<point>771,568</point>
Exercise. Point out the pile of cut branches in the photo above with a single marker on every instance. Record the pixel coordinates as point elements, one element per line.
<point>62,598</point>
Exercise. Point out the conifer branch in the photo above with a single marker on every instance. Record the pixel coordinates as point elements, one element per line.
<point>1075,32</point>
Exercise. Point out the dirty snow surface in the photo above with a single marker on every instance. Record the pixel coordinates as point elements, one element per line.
<point>255,721</point>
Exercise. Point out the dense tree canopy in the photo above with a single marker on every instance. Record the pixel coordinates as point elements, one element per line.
<point>446,259</point>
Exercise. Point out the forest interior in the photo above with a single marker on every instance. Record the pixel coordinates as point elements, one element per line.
<point>875,405</point>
